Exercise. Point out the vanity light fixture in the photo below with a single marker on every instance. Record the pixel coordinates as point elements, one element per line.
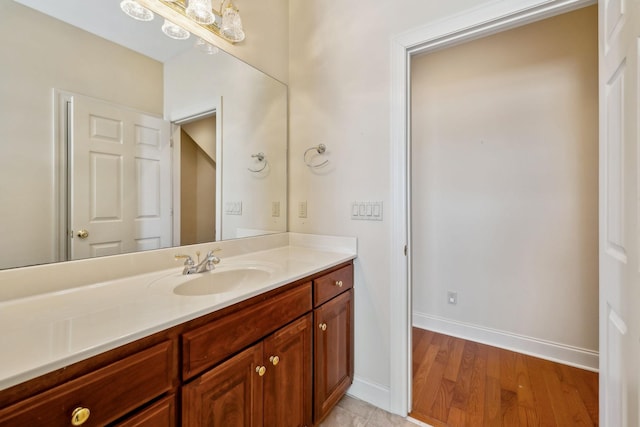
<point>135,10</point>
<point>200,11</point>
<point>231,28</point>
<point>205,47</point>
<point>224,22</point>
<point>174,31</point>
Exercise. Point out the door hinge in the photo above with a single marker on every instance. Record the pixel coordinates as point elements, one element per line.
<point>405,250</point>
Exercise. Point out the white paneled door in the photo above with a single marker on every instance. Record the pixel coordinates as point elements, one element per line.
<point>119,180</point>
<point>619,222</point>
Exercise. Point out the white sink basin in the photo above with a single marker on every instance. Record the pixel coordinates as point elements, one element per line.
<point>222,279</point>
<point>217,282</point>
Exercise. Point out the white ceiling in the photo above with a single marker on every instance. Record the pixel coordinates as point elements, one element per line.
<point>105,19</point>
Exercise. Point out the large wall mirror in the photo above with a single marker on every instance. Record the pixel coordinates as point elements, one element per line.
<point>115,138</point>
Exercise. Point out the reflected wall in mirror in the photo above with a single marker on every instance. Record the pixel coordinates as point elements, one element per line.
<point>189,115</point>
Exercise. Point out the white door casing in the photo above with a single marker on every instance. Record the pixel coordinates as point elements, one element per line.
<point>119,184</point>
<point>619,48</point>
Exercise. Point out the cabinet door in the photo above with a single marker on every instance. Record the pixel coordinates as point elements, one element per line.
<point>229,395</point>
<point>288,380</point>
<point>333,351</point>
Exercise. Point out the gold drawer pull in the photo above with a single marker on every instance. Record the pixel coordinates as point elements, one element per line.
<point>339,283</point>
<point>275,360</point>
<point>79,416</point>
<point>261,370</point>
<point>323,326</point>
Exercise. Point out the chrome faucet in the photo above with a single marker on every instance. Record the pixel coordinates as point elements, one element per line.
<point>208,263</point>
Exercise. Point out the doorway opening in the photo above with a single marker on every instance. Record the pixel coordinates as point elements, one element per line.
<point>195,145</point>
<point>474,25</point>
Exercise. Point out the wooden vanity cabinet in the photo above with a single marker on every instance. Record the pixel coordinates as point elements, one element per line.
<point>279,359</point>
<point>333,339</point>
<point>101,397</point>
<point>268,384</point>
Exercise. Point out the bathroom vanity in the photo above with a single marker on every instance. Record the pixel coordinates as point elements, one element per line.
<point>277,354</point>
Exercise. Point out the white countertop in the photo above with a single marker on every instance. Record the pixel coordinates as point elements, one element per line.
<point>45,332</point>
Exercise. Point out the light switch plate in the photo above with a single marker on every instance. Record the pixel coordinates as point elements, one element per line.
<point>233,208</point>
<point>369,211</point>
<point>302,209</point>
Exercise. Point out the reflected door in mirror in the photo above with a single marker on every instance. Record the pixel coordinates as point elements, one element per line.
<point>120,180</point>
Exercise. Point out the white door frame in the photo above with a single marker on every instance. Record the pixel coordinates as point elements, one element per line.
<point>492,17</point>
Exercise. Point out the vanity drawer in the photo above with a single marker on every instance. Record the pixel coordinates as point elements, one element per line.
<point>160,414</point>
<point>332,284</point>
<point>209,344</point>
<point>108,393</point>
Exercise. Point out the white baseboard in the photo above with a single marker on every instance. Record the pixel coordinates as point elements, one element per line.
<point>375,394</point>
<point>561,353</point>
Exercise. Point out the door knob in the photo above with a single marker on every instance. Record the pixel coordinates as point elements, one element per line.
<point>83,234</point>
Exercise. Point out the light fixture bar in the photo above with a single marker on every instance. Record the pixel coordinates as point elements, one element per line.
<point>180,6</point>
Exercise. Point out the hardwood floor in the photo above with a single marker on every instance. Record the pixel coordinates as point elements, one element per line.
<point>463,383</point>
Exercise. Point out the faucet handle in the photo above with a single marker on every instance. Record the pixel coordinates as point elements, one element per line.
<point>188,260</point>
<point>212,258</point>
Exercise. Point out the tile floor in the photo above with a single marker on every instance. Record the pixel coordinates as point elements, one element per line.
<point>351,412</point>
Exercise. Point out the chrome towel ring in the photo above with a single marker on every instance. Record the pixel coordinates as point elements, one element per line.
<point>261,159</point>
<point>320,149</point>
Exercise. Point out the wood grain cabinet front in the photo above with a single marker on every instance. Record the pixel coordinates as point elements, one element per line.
<point>159,414</point>
<point>267,384</point>
<point>333,340</point>
<point>210,344</point>
<point>100,397</point>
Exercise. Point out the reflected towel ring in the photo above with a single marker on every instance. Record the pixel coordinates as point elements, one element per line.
<point>320,149</point>
<point>261,158</point>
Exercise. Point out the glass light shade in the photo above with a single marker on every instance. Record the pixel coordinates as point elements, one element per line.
<point>207,48</point>
<point>200,11</point>
<point>231,27</point>
<point>174,31</point>
<point>134,10</point>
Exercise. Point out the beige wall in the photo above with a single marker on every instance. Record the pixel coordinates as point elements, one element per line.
<point>339,85</point>
<point>252,119</point>
<point>505,181</point>
<point>51,56</point>
<point>203,132</point>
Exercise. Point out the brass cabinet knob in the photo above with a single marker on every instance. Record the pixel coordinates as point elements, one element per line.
<point>339,283</point>
<point>79,416</point>
<point>261,370</point>
<point>83,234</point>
<point>323,326</point>
<point>275,360</point>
